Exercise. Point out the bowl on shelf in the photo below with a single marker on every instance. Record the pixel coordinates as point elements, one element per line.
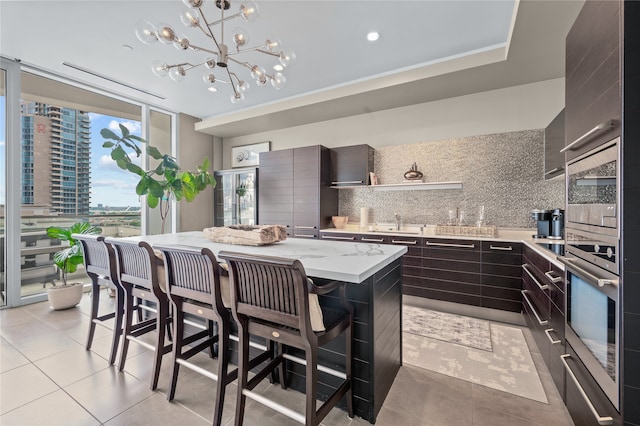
<point>339,221</point>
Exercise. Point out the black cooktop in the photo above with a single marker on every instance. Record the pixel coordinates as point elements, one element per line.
<point>554,247</point>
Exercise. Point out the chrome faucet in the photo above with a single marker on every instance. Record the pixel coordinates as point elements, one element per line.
<point>398,221</point>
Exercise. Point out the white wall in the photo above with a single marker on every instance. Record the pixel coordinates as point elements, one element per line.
<point>530,106</point>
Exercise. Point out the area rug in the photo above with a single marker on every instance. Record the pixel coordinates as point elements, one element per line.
<point>508,367</point>
<point>466,331</point>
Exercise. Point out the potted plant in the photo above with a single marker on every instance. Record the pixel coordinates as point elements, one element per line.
<point>67,260</point>
<point>166,181</point>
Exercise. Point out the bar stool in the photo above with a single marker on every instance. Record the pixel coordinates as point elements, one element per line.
<point>273,298</point>
<point>139,278</point>
<point>196,287</point>
<point>100,265</point>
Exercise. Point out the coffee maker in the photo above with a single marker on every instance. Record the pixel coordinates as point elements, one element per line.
<point>543,222</point>
<point>549,223</point>
<point>557,225</point>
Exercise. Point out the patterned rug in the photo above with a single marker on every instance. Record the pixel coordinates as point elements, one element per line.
<point>508,367</point>
<point>451,328</point>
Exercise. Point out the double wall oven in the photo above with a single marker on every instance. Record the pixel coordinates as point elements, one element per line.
<point>592,243</point>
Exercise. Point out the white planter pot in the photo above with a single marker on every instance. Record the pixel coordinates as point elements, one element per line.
<point>65,297</point>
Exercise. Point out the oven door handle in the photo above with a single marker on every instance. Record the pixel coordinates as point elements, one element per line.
<point>600,419</point>
<point>600,281</point>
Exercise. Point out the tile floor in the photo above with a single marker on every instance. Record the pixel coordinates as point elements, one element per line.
<point>47,378</point>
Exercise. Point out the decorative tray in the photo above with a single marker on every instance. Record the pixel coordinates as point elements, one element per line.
<point>471,231</point>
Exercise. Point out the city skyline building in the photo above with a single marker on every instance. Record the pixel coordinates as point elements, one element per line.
<point>56,155</point>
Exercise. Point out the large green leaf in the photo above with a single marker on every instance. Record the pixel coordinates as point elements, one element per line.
<point>134,168</point>
<point>142,187</point>
<point>152,201</point>
<point>124,130</point>
<point>118,153</point>
<point>154,153</point>
<point>155,188</point>
<point>108,134</point>
<point>108,145</point>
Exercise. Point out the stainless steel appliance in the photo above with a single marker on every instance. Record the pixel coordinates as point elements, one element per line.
<point>556,227</point>
<point>543,222</point>
<point>592,190</point>
<point>592,243</point>
<point>593,322</point>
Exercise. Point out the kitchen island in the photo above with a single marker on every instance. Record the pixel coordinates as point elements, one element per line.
<point>373,273</point>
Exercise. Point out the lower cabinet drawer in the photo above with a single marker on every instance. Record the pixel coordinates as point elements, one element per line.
<point>584,399</point>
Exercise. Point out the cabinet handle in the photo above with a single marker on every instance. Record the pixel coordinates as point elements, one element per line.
<point>492,247</point>
<point>326,237</point>
<point>557,169</point>
<point>526,299</point>
<point>373,240</point>
<point>551,339</point>
<point>552,278</point>
<point>304,235</point>
<point>575,144</point>
<point>404,242</point>
<point>602,420</point>
<point>451,245</point>
<point>346,182</point>
<point>304,227</point>
<point>526,269</point>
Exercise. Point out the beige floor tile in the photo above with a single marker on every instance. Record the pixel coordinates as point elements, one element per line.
<point>23,385</point>
<point>10,357</point>
<point>74,364</point>
<point>108,393</point>
<point>40,346</point>
<point>156,410</point>
<point>55,409</point>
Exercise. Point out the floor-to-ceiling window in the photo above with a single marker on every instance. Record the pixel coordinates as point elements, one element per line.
<point>3,182</point>
<point>65,175</point>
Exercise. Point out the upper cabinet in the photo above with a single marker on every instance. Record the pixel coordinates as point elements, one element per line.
<point>553,143</point>
<point>351,165</point>
<point>593,103</point>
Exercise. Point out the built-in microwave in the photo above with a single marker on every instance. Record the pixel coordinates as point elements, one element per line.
<point>593,195</point>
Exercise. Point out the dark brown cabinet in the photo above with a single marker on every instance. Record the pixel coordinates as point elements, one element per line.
<point>593,100</point>
<point>595,409</point>
<point>501,275</point>
<point>295,190</point>
<point>275,198</point>
<point>451,271</point>
<point>553,143</point>
<point>351,165</point>
<point>544,310</point>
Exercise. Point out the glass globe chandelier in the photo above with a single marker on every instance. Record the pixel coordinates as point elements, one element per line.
<point>219,56</point>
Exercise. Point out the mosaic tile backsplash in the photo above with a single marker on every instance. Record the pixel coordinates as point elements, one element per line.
<point>503,172</point>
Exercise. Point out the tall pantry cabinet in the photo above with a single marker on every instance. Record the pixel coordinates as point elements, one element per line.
<point>295,190</point>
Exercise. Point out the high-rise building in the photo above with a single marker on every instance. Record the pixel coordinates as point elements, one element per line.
<point>56,155</point>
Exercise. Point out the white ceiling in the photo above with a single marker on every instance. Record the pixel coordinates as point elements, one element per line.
<point>428,50</point>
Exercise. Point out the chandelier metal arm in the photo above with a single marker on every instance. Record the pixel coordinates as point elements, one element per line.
<point>254,49</point>
<point>208,31</point>
<point>249,66</point>
<point>219,21</point>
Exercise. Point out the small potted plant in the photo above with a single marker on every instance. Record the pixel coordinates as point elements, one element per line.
<point>67,260</point>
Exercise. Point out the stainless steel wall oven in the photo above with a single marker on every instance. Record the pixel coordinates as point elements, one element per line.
<point>592,242</point>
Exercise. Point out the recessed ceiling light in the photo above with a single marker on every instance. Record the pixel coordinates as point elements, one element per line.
<point>278,67</point>
<point>373,36</point>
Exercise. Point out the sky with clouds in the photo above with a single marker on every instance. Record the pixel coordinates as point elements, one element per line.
<point>110,186</point>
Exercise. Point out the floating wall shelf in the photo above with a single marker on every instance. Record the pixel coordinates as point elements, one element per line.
<point>419,186</point>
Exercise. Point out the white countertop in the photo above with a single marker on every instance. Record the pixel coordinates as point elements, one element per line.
<point>334,260</point>
<point>518,235</point>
